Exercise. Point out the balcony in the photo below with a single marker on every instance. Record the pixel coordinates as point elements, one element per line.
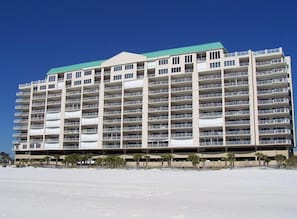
<point>210,114</point>
<point>269,62</point>
<point>71,131</point>
<point>212,95</point>
<point>237,113</point>
<point>181,116</point>
<point>160,91</point>
<point>132,120</point>
<point>209,86</point>
<point>157,118</point>
<point>132,111</point>
<point>209,77</point>
<point>40,97</point>
<point>87,91</point>
<point>113,88</point>
<point>72,123</point>
<point>274,111</point>
<point>238,132</point>
<point>71,139</point>
<point>132,128</point>
<point>238,122</point>
<point>158,100</point>
<point>136,102</point>
<point>211,133</point>
<point>111,121</point>
<point>158,127</point>
<point>132,94</point>
<point>155,83</point>
<point>132,137</point>
<point>180,89</point>
<point>113,96</point>
<point>53,102</point>
<point>273,101</point>
<point>90,106</point>
<point>181,98</point>
<point>267,51</point>
<point>157,136</point>
<point>239,142</point>
<point>275,131</point>
<point>158,109</point>
<point>275,121</point>
<point>69,93</point>
<point>182,135</point>
<point>182,107</point>
<point>236,93</point>
<point>237,84</point>
<point>72,100</point>
<point>181,125</point>
<point>277,141</point>
<point>236,74</point>
<point>112,129</point>
<point>234,54</point>
<point>108,113</point>
<point>275,71</point>
<point>54,95</point>
<point>237,102</point>
<point>211,143</point>
<point>274,91</point>
<point>209,105</point>
<point>273,81</point>
<point>91,98</point>
<point>181,80</point>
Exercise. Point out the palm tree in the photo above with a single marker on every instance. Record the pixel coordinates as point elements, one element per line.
<point>280,159</point>
<point>260,157</point>
<point>231,158</point>
<point>147,158</point>
<point>99,162</point>
<point>195,159</point>
<point>137,157</point>
<point>225,159</point>
<point>47,159</point>
<point>114,161</point>
<point>72,159</point>
<point>266,160</point>
<point>57,158</point>
<point>168,158</point>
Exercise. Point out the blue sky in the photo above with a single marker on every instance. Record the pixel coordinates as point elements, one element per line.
<point>38,35</point>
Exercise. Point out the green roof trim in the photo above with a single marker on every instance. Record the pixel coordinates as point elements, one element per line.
<point>182,50</point>
<point>74,67</point>
<point>155,54</point>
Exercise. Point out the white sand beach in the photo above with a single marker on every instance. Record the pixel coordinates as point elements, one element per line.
<point>101,193</point>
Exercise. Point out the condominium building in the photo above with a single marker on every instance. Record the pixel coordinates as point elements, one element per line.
<point>191,99</point>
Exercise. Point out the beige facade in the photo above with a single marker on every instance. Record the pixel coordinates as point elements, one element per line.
<point>206,101</point>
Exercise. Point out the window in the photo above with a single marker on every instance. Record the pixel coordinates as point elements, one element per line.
<point>35,88</point>
<point>69,75</point>
<point>51,86</point>
<point>188,58</point>
<point>129,75</point>
<point>87,73</point>
<point>88,81</point>
<point>52,78</point>
<point>163,71</point>
<point>177,69</point>
<point>117,77</point>
<point>117,68</point>
<point>128,66</point>
<point>175,60</point>
<point>78,74</point>
<point>163,61</point>
<point>229,63</point>
<point>77,82</point>
<point>215,65</point>
<point>215,55</point>
<point>43,87</point>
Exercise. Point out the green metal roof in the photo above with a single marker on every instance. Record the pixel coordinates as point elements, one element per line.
<point>74,67</point>
<point>187,49</point>
<point>166,52</point>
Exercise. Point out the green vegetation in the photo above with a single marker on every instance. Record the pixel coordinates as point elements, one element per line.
<point>195,159</point>
<point>280,159</point>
